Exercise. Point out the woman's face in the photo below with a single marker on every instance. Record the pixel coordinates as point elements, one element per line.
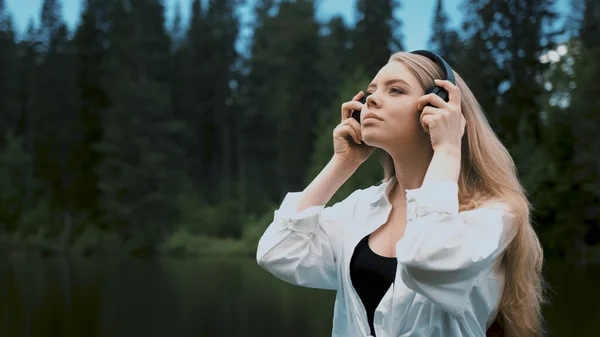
<point>393,100</point>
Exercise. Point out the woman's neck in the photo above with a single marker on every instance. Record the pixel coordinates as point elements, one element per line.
<point>410,170</point>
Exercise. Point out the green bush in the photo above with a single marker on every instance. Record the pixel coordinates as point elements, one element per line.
<point>254,228</point>
<point>198,218</point>
<point>182,243</point>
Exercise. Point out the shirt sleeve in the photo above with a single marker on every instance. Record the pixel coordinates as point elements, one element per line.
<point>303,248</point>
<point>442,252</point>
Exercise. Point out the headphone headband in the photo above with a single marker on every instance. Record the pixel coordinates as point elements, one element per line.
<point>446,69</point>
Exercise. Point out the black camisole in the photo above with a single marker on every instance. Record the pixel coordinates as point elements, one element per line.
<point>371,276</point>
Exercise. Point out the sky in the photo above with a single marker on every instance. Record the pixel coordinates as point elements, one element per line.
<point>416,15</point>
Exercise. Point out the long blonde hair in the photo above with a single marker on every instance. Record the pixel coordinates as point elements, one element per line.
<point>489,173</point>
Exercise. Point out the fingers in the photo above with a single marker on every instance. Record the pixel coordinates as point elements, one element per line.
<point>453,91</point>
<point>351,127</point>
<point>432,99</point>
<point>427,116</point>
<point>352,105</point>
<point>348,130</point>
<point>355,127</point>
<point>348,107</point>
<point>358,96</point>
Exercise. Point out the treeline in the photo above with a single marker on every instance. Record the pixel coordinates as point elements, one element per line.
<point>129,135</point>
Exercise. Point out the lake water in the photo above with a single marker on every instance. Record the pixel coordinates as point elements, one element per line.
<point>204,297</point>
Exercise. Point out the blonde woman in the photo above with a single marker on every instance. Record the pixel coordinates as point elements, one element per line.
<point>443,246</point>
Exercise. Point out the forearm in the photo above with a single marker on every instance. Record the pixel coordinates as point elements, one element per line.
<point>324,186</point>
<point>444,166</point>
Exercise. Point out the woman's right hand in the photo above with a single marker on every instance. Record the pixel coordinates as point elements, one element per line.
<point>347,136</point>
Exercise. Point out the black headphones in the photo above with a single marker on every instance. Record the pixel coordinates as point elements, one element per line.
<point>446,69</point>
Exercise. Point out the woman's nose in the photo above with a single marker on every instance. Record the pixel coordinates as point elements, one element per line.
<point>372,100</point>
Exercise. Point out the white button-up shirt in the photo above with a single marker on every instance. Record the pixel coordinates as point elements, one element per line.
<point>449,279</point>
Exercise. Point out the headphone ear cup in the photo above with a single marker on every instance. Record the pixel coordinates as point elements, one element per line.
<point>441,92</point>
<point>438,91</point>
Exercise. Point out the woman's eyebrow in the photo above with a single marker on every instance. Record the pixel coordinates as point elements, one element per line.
<point>396,80</point>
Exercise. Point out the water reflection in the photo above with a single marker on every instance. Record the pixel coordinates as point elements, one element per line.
<point>207,297</point>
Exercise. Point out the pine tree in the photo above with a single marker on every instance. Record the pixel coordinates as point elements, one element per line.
<point>203,87</point>
<point>505,42</point>
<point>444,40</point>
<point>376,34</point>
<point>90,43</point>
<point>177,29</point>
<point>478,54</point>
<point>281,97</point>
<point>513,30</point>
<point>28,68</point>
<point>138,175</point>
<point>190,93</point>
<point>8,74</point>
<point>51,21</point>
<point>584,120</point>
<point>223,32</point>
<point>253,148</point>
<point>53,113</point>
<point>336,62</point>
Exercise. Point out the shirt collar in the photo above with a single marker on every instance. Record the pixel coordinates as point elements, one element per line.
<point>383,190</point>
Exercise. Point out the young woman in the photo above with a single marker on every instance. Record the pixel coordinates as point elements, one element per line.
<point>443,246</point>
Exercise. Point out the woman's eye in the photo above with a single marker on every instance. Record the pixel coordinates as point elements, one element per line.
<point>397,90</point>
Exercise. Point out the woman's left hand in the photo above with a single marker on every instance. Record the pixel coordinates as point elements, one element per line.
<point>443,121</point>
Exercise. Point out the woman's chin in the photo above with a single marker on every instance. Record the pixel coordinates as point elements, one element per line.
<point>369,140</point>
